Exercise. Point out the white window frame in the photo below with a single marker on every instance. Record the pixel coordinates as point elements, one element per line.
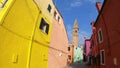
<point>101,57</point>
<point>55,15</point>
<point>59,19</point>
<point>56,18</point>
<point>44,28</point>
<point>100,41</point>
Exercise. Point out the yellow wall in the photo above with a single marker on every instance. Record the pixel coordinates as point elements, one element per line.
<point>39,54</point>
<point>43,5</point>
<point>22,43</point>
<point>4,10</point>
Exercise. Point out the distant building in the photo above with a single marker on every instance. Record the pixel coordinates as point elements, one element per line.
<point>70,54</point>
<point>87,51</point>
<point>74,52</point>
<point>78,54</point>
<point>105,39</point>
<point>75,33</point>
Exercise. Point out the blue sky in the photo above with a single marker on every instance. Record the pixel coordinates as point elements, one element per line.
<point>83,10</point>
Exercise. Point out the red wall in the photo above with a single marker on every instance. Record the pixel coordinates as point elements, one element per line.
<point>109,22</point>
<point>112,19</point>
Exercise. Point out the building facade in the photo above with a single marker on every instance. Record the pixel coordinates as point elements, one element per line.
<point>57,53</point>
<point>24,40</point>
<point>28,36</point>
<point>87,51</point>
<point>78,54</point>
<point>70,54</point>
<point>58,42</point>
<point>106,35</point>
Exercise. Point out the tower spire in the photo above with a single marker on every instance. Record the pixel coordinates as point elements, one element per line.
<point>75,33</point>
<point>75,23</point>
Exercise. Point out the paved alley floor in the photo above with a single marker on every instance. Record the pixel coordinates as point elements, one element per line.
<point>78,65</point>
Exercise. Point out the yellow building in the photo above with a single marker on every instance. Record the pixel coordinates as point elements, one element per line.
<point>47,7</point>
<point>25,31</point>
<point>57,55</point>
<point>24,34</point>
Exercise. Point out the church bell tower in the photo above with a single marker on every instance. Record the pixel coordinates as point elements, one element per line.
<point>75,33</point>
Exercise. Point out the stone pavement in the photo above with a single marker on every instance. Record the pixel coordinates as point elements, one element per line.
<point>79,65</point>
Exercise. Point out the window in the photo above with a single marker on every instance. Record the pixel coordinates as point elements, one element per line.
<point>49,8</point>
<point>102,57</point>
<point>76,48</point>
<point>100,36</point>
<point>44,26</point>
<point>55,14</point>
<point>68,48</point>
<point>58,19</point>
<point>69,57</point>
<point>3,2</point>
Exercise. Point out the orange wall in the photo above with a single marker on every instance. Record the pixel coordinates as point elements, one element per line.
<point>71,53</point>
<point>58,44</point>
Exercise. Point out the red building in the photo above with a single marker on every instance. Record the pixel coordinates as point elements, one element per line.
<point>105,40</point>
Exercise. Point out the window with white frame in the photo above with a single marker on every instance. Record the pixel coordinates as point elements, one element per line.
<point>55,14</point>
<point>44,26</point>
<point>100,36</point>
<point>58,19</point>
<point>102,57</point>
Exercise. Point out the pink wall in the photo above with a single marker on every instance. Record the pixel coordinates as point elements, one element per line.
<point>58,44</point>
<point>87,42</point>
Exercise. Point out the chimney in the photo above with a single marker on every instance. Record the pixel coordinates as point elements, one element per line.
<point>93,27</point>
<point>98,5</point>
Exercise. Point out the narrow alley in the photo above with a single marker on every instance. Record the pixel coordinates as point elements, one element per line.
<point>59,33</point>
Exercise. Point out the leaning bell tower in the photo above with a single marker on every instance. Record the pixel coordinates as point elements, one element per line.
<point>75,33</point>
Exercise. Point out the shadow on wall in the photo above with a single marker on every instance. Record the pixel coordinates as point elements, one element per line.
<point>79,65</point>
